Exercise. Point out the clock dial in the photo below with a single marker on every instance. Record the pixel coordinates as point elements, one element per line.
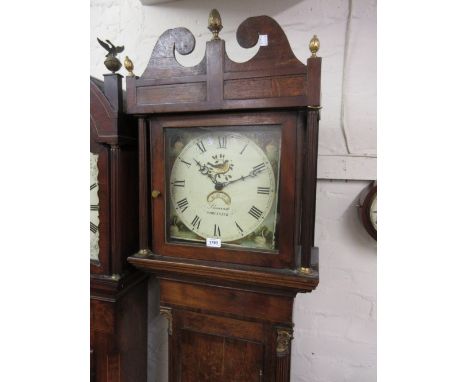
<point>223,184</point>
<point>94,207</point>
<point>373,212</point>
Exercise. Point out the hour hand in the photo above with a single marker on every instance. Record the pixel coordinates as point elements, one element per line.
<point>204,170</point>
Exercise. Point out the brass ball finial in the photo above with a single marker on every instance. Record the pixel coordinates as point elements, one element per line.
<point>129,66</point>
<point>314,45</point>
<point>215,23</point>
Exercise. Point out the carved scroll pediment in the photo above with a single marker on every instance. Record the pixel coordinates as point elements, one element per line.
<point>277,53</point>
<point>163,62</point>
<point>274,77</point>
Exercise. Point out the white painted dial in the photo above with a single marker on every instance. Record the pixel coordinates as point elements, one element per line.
<point>94,212</point>
<point>222,185</point>
<point>373,212</point>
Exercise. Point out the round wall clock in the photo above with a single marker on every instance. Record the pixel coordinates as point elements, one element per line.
<point>368,210</point>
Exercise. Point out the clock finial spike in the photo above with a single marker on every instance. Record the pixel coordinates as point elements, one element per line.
<point>214,23</point>
<point>314,45</point>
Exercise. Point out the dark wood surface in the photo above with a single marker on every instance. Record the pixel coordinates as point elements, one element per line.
<point>230,311</point>
<point>309,186</point>
<point>118,291</point>
<point>119,334</point>
<point>114,137</point>
<point>226,334</point>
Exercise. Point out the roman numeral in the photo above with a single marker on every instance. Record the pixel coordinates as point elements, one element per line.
<point>217,231</point>
<point>201,146</point>
<point>196,222</point>
<point>94,227</point>
<point>222,142</point>
<point>187,163</point>
<point>239,227</point>
<point>255,212</point>
<point>242,152</point>
<point>183,203</point>
<point>178,183</point>
<point>93,186</point>
<point>94,207</point>
<point>263,190</point>
<point>259,167</point>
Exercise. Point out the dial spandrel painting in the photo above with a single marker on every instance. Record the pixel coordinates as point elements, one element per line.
<point>94,210</point>
<point>222,184</point>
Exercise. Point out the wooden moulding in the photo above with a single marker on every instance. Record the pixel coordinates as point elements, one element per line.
<point>273,78</point>
<point>245,275</point>
<point>111,288</point>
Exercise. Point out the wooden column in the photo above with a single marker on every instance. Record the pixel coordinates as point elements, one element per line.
<point>143,186</point>
<point>308,251</point>
<point>115,233</point>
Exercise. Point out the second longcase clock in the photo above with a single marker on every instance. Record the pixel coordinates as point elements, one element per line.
<point>118,292</point>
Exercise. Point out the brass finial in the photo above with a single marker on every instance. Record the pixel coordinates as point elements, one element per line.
<point>112,62</point>
<point>129,66</point>
<point>215,23</point>
<point>314,45</point>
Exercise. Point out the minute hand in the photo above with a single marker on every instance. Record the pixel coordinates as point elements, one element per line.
<point>251,174</point>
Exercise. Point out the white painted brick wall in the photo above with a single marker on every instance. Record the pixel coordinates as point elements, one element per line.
<point>335,332</point>
<point>335,326</point>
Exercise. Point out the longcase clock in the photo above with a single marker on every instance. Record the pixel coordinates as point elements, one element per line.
<point>227,164</point>
<point>118,291</point>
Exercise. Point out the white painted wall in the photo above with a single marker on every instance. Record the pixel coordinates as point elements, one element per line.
<point>335,325</point>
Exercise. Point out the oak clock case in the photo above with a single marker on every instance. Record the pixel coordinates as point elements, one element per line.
<point>118,293</point>
<point>228,158</point>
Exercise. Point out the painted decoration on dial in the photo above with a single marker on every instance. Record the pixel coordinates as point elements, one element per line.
<point>94,212</point>
<point>223,184</point>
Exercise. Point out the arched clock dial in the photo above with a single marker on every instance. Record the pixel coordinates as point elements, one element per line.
<point>94,207</point>
<point>223,185</point>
